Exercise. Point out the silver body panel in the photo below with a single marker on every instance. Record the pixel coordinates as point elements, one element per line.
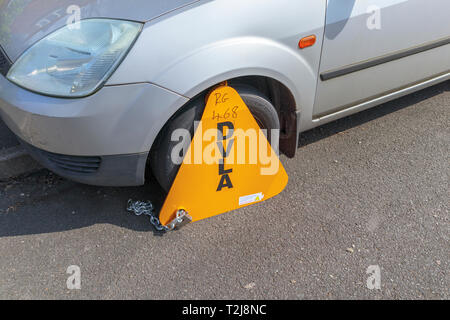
<point>188,46</point>
<point>116,120</point>
<point>403,24</point>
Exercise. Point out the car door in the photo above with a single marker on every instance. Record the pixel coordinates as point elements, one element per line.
<point>375,47</point>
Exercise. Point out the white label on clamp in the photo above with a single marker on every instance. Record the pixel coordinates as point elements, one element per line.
<point>251,198</point>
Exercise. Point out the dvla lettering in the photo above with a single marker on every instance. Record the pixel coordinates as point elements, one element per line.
<point>192,310</point>
<point>225,180</point>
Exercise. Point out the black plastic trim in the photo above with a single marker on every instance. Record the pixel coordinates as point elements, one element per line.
<point>115,170</point>
<point>5,62</point>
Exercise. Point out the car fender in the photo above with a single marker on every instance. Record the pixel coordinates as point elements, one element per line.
<point>224,60</point>
<point>218,62</point>
<point>238,57</point>
<point>189,52</point>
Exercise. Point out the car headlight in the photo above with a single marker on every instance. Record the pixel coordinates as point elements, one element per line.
<point>76,60</point>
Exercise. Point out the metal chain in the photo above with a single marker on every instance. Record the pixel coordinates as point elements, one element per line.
<point>146,208</point>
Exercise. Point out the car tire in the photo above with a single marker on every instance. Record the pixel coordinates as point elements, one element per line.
<point>163,168</point>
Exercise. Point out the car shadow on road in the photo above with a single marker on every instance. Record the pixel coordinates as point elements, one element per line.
<point>44,203</point>
<point>363,117</point>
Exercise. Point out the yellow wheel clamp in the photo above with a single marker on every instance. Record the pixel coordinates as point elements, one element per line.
<point>234,171</point>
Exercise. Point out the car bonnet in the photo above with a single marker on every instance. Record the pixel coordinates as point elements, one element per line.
<point>24,22</point>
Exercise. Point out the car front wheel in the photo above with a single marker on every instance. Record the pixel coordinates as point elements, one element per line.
<point>164,169</point>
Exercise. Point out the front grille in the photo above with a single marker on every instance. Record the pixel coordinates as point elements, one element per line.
<point>5,63</point>
<point>75,164</point>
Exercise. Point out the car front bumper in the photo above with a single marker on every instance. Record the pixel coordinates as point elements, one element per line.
<point>119,170</point>
<point>117,126</point>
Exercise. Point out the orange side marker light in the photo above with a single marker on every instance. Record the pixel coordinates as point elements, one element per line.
<point>307,42</point>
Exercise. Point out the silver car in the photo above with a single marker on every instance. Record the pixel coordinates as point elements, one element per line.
<point>93,88</point>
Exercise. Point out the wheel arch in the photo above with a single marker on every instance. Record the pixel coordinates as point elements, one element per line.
<point>282,74</point>
<point>281,98</point>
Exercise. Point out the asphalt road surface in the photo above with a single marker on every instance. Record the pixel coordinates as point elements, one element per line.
<point>366,193</point>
